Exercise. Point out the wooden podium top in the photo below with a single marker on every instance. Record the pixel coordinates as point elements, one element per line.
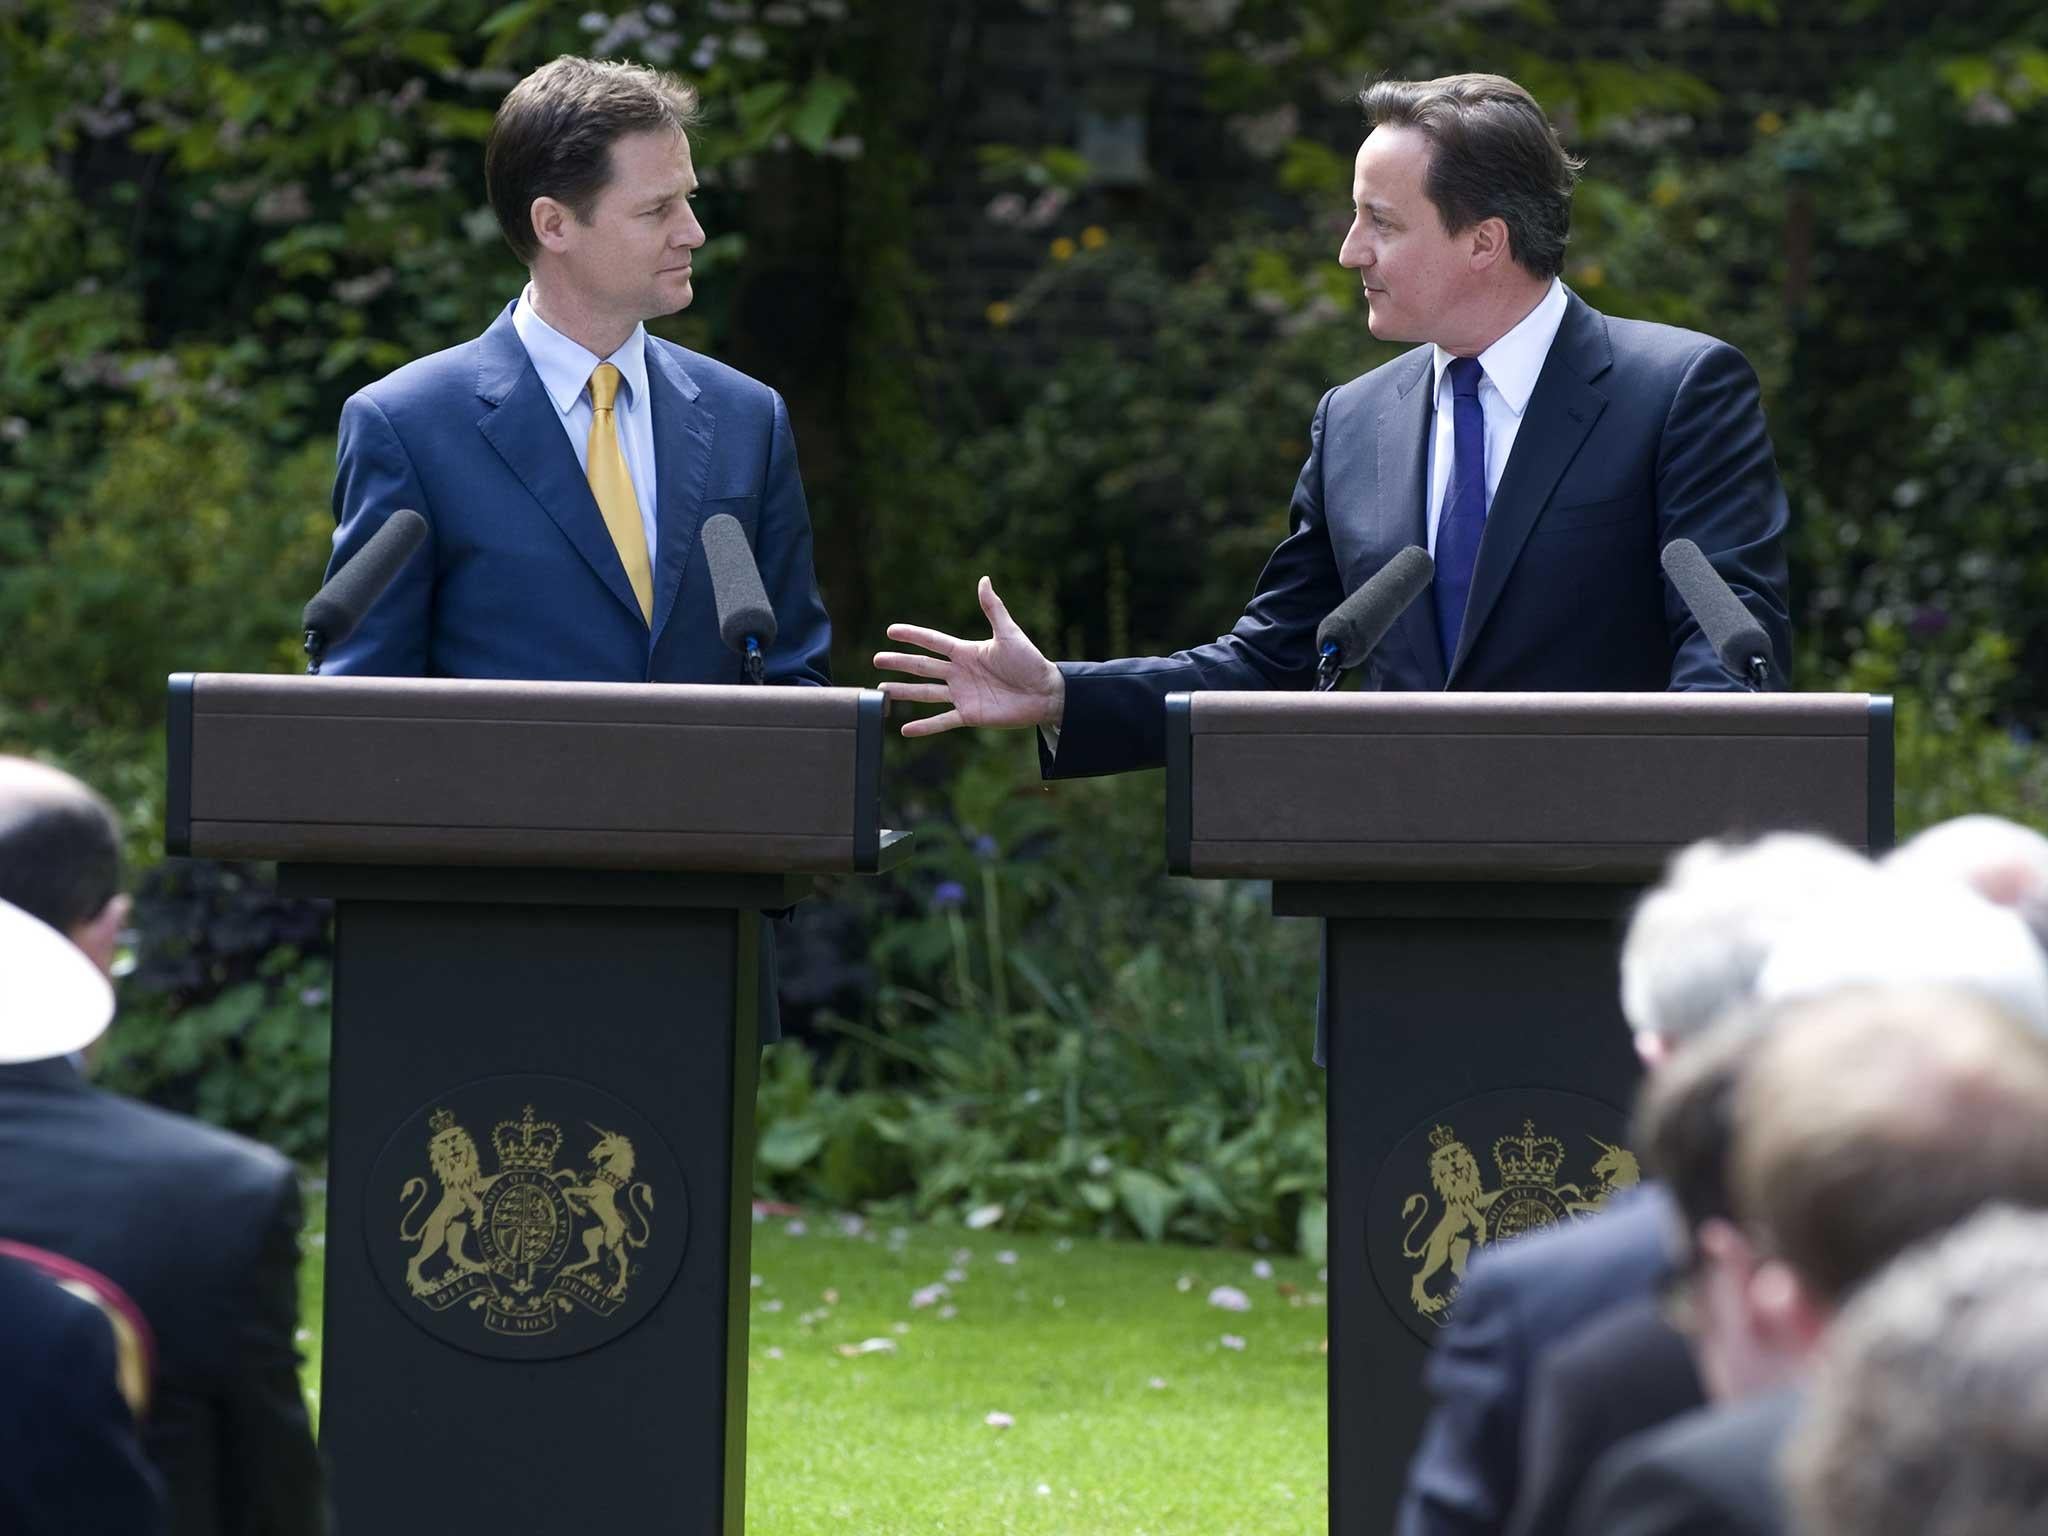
<point>645,776</point>
<point>1596,787</point>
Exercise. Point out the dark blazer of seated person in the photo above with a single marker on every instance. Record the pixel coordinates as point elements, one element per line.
<point>70,1460</point>
<point>1617,1376</point>
<point>1713,1472</point>
<point>201,1228</point>
<point>1518,1300</point>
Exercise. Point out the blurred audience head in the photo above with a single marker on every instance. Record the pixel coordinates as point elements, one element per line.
<point>1698,940</point>
<point>60,856</point>
<point>2002,861</point>
<point>1906,930</point>
<point>1684,1130</point>
<point>1928,1414</point>
<point>1864,1122</point>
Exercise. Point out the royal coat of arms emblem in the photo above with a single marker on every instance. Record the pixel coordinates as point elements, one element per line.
<point>532,1241</point>
<point>1531,1195</point>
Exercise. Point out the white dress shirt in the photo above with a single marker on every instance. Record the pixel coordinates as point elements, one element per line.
<point>565,368</point>
<point>1508,371</point>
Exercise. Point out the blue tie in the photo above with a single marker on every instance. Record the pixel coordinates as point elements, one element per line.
<point>1462,518</point>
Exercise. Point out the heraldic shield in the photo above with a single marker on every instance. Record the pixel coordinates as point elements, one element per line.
<point>1556,1158</point>
<point>551,1233</point>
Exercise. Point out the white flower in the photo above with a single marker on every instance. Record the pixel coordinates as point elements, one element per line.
<point>1232,1341</point>
<point>929,1295</point>
<point>999,1420</point>
<point>1230,1299</point>
<point>983,1216</point>
<point>1262,1270</point>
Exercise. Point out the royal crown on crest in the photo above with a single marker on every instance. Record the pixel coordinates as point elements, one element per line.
<point>1442,1136</point>
<point>1529,1158</point>
<point>531,1143</point>
<point>439,1121</point>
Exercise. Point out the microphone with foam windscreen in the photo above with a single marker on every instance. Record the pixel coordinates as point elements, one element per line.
<point>1358,623</point>
<point>746,622</point>
<point>1731,629</point>
<point>338,607</point>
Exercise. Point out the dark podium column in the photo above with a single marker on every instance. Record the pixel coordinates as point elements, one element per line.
<point>548,989</point>
<point>1475,857</point>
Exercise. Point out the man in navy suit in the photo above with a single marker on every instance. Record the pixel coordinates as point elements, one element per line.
<point>1543,452</point>
<point>565,460</point>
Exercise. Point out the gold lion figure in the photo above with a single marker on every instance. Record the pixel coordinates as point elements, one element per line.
<point>1454,1173</point>
<point>452,1156</point>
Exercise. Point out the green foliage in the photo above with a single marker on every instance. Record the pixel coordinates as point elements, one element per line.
<point>1064,1041</point>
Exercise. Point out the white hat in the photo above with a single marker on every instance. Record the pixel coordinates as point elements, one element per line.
<point>53,1000</point>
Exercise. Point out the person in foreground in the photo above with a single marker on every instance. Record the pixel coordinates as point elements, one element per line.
<point>1866,1121</point>
<point>565,461</point>
<point>1692,954</point>
<point>1543,452</point>
<point>1927,1417</point>
<point>199,1227</point>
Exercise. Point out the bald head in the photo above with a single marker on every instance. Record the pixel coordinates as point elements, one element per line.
<point>60,847</point>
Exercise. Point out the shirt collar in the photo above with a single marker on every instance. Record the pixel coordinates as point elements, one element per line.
<point>565,366</point>
<point>1513,363</point>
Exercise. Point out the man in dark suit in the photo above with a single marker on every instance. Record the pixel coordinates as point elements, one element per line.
<point>1629,1369</point>
<point>1544,453</point>
<point>565,461</point>
<point>1864,1122</point>
<point>71,1463</point>
<point>199,1227</point>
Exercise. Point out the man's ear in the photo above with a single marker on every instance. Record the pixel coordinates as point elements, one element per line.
<point>1488,242</point>
<point>550,222</point>
<point>1787,1312</point>
<point>100,935</point>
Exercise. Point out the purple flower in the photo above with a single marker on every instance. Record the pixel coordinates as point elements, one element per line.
<point>984,847</point>
<point>951,893</point>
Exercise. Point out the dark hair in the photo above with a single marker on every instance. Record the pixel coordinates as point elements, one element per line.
<point>554,132</point>
<point>1685,1117</point>
<point>1493,154</point>
<point>60,847</point>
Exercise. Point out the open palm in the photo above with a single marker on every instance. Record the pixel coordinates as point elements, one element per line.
<point>1004,680</point>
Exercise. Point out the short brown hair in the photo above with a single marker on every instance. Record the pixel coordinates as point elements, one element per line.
<point>1493,154</point>
<point>554,132</point>
<point>1870,1120</point>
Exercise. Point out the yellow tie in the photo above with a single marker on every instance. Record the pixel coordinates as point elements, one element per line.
<point>613,487</point>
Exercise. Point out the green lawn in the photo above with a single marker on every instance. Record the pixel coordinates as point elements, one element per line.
<point>1130,1415</point>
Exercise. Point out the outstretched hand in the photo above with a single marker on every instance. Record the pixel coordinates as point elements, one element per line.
<point>1001,681</point>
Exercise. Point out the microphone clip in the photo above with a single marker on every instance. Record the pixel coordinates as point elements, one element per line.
<point>756,667</point>
<point>1327,670</point>
<point>316,649</point>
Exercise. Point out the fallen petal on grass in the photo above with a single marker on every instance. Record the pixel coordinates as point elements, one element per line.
<point>868,1347</point>
<point>930,1295</point>
<point>1006,1256</point>
<point>1262,1269</point>
<point>983,1216</point>
<point>1232,1341</point>
<point>999,1420</point>
<point>1229,1298</point>
<point>1157,1383</point>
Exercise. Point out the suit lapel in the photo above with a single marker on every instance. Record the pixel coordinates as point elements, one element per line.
<point>683,430</point>
<point>1402,499</point>
<point>1561,411</point>
<point>522,425</point>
